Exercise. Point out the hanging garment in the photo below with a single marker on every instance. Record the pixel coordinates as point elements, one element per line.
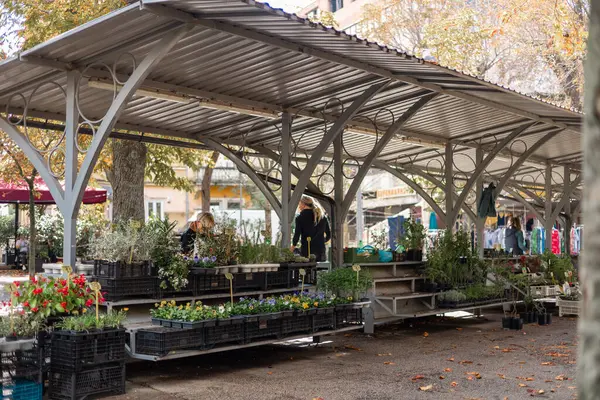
<point>555,241</point>
<point>501,220</point>
<point>433,221</point>
<point>487,205</point>
<point>535,241</point>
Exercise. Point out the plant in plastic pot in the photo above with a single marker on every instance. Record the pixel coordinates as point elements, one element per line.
<point>413,240</point>
<point>342,282</point>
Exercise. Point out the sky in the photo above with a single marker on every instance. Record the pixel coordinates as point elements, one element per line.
<point>287,5</point>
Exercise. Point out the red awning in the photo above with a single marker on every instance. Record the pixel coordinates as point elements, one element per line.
<point>19,193</point>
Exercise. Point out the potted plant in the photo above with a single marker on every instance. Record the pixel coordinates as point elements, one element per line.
<point>413,240</point>
<point>342,282</point>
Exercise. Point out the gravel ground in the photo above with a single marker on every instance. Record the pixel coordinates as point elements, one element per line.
<point>432,359</point>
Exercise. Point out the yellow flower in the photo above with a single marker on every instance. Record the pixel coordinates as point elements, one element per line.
<point>187,304</point>
<point>197,308</point>
<point>162,303</point>
<point>155,304</point>
<point>305,305</point>
<point>84,310</point>
<point>349,298</point>
<point>180,307</point>
<point>316,304</point>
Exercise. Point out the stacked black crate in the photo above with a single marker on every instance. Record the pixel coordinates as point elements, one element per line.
<point>121,280</point>
<point>87,363</point>
<point>21,369</point>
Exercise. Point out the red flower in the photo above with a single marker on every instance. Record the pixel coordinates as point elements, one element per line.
<point>35,309</point>
<point>38,291</point>
<point>45,303</point>
<point>89,302</point>
<point>63,304</point>
<point>63,282</point>
<point>17,283</point>
<point>17,294</point>
<point>26,304</point>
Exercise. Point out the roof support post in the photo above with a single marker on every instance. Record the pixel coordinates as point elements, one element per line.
<point>514,168</point>
<point>136,79</point>
<point>548,205</point>
<point>567,209</point>
<point>329,137</point>
<point>483,165</point>
<point>449,187</point>
<point>379,146</point>
<point>286,179</point>
<point>71,166</point>
<point>479,221</point>
<point>246,169</point>
<point>337,233</point>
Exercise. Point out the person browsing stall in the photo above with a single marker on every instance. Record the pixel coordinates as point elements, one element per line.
<point>311,223</point>
<point>204,224</point>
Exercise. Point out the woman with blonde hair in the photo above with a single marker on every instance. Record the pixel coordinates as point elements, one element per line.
<point>311,223</point>
<point>203,225</point>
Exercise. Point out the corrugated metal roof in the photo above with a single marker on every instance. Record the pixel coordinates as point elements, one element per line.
<point>268,58</point>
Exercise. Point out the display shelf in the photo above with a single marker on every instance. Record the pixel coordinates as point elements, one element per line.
<point>129,302</point>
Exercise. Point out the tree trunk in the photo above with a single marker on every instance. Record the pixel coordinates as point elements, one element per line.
<point>32,230</point>
<point>127,180</point>
<point>206,180</point>
<point>589,345</point>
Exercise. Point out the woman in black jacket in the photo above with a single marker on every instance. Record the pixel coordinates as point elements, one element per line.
<point>311,223</point>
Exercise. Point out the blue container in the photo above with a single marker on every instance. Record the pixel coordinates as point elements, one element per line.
<point>22,390</point>
<point>385,256</point>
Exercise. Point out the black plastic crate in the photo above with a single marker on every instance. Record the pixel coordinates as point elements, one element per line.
<point>21,364</point>
<point>259,329</point>
<point>347,316</point>
<point>68,385</point>
<point>109,269</point>
<point>210,283</point>
<point>280,279</point>
<point>310,277</point>
<point>121,288</point>
<point>296,325</point>
<point>249,281</point>
<point>161,341</point>
<point>78,350</point>
<point>323,320</point>
<point>222,334</point>
<point>22,389</point>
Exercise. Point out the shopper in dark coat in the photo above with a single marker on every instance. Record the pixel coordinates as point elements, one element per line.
<point>311,223</point>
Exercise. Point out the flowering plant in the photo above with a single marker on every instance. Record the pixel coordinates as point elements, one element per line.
<point>49,296</point>
<point>86,322</point>
<point>202,262</point>
<point>197,312</point>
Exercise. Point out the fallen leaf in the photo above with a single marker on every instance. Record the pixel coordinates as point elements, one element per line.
<point>470,378</point>
<point>347,335</point>
<point>453,384</point>
<point>318,398</point>
<point>561,378</point>
<point>557,355</point>
<point>475,374</point>
<point>459,329</point>
<point>522,385</point>
<point>389,363</point>
<point>541,391</point>
<point>451,359</point>
<point>442,377</point>
<point>497,347</point>
<point>548,363</point>
<point>522,362</point>
<point>350,347</point>
<point>508,350</point>
<point>426,388</point>
<point>571,362</point>
<point>425,334</point>
<point>417,377</point>
<point>548,381</point>
<point>572,387</point>
<point>448,370</point>
<point>384,354</point>
<point>466,362</point>
<point>502,376</point>
<point>269,373</point>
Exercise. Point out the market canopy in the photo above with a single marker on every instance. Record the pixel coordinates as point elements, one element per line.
<point>253,82</point>
<point>19,193</point>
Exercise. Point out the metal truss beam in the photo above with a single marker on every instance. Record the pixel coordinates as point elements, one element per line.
<point>527,204</point>
<point>160,50</point>
<point>381,144</point>
<point>246,169</point>
<point>420,191</point>
<point>481,167</point>
<point>327,139</point>
<point>565,199</point>
<point>36,160</point>
<point>508,174</point>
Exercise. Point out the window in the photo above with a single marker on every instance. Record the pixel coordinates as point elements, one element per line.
<point>155,208</point>
<point>233,204</point>
<point>336,5</point>
<point>312,14</point>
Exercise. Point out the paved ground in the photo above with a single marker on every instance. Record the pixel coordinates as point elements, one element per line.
<point>451,359</point>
